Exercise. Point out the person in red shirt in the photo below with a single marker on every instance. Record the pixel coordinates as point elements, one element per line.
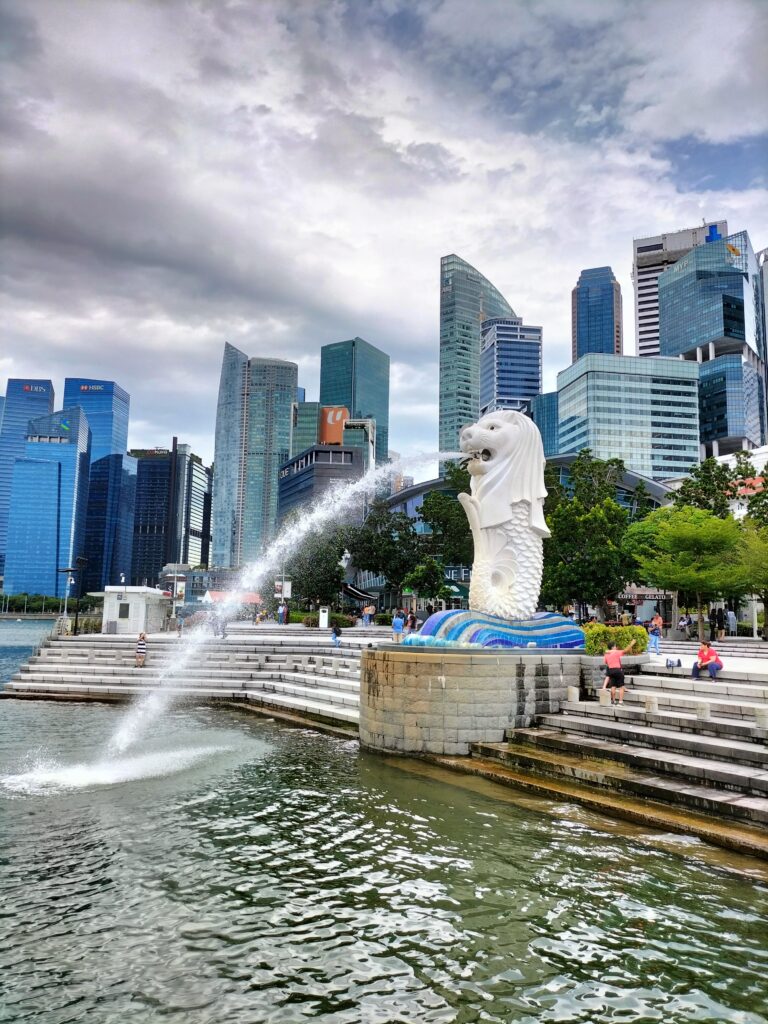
<point>614,676</point>
<point>707,658</point>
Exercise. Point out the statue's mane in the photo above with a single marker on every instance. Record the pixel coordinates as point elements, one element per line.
<point>516,476</point>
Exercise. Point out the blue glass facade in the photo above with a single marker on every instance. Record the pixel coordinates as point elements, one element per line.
<point>466,300</point>
<point>544,412</point>
<point>644,411</point>
<point>107,407</point>
<point>24,400</point>
<point>304,426</point>
<point>49,498</point>
<point>253,439</point>
<point>109,523</point>
<point>596,314</point>
<point>355,374</point>
<point>711,309</point>
<point>510,364</point>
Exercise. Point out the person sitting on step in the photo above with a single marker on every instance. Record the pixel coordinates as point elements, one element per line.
<point>707,658</point>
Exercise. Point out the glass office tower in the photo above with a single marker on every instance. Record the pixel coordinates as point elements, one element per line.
<point>49,498</point>
<point>510,364</point>
<point>355,374</point>
<point>107,407</point>
<point>172,521</point>
<point>24,400</point>
<point>711,311</point>
<point>109,529</point>
<point>544,413</point>
<point>644,411</point>
<point>253,439</point>
<point>305,424</point>
<point>466,300</point>
<point>596,315</point>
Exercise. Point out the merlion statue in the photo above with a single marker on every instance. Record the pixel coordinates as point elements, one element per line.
<point>506,513</point>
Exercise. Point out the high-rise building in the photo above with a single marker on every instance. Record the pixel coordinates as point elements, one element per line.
<point>651,257</point>
<point>24,400</point>
<point>544,413</point>
<point>355,374</point>
<point>510,364</point>
<point>596,314</point>
<point>107,407</point>
<point>109,528</point>
<point>466,300</point>
<point>308,476</point>
<point>172,521</point>
<point>49,498</point>
<point>711,313</point>
<point>253,439</point>
<point>305,424</point>
<point>644,411</point>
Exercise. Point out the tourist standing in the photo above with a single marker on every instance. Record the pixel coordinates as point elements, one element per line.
<point>721,624</point>
<point>654,634</point>
<point>397,626</point>
<point>709,659</point>
<point>626,617</point>
<point>614,676</point>
<point>712,624</point>
<point>141,650</point>
<point>733,625</point>
<point>430,610</point>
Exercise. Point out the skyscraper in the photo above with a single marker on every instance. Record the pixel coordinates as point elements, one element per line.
<point>545,414</point>
<point>305,424</point>
<point>253,439</point>
<point>596,314</point>
<point>644,411</point>
<point>49,496</point>
<point>711,312</point>
<point>510,364</point>
<point>355,374</point>
<point>466,300</point>
<point>172,522</point>
<point>109,527</point>
<point>24,400</point>
<point>107,407</point>
<point>651,257</point>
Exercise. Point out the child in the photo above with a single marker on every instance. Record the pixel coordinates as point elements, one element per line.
<point>141,650</point>
<point>397,627</point>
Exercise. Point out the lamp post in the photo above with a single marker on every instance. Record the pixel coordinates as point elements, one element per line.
<point>70,580</point>
<point>81,561</point>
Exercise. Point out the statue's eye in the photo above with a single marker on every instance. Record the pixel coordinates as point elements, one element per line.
<point>492,426</point>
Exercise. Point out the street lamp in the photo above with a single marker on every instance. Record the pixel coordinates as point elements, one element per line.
<point>81,561</point>
<point>70,580</point>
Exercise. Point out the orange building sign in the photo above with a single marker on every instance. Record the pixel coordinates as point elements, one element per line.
<point>332,420</point>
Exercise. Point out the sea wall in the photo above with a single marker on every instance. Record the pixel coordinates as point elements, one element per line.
<point>424,700</point>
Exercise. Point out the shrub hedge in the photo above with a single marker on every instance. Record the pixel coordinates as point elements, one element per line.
<point>598,637</point>
<point>312,620</point>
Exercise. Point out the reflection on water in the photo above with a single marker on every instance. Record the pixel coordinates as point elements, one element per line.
<point>283,877</point>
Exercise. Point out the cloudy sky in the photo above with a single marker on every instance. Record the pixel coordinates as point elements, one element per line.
<point>285,174</point>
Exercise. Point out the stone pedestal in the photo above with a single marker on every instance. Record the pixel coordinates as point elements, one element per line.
<point>417,701</point>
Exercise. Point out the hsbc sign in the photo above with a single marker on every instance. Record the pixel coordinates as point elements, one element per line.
<point>91,387</point>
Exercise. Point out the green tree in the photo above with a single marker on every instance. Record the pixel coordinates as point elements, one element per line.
<point>689,549</point>
<point>755,563</point>
<point>594,480</point>
<point>386,544</point>
<point>450,539</point>
<point>315,570</point>
<point>641,503</point>
<point>428,579</point>
<point>710,486</point>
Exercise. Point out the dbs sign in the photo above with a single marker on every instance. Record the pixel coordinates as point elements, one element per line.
<point>332,420</point>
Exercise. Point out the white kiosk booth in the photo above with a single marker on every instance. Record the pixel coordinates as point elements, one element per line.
<point>135,610</point>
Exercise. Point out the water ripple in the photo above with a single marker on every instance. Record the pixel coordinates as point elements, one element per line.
<point>286,877</point>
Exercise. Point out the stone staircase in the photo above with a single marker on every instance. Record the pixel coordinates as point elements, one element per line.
<point>305,676</point>
<point>731,647</point>
<point>694,743</point>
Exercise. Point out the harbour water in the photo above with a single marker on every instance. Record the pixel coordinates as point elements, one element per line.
<point>230,869</point>
<point>18,640</point>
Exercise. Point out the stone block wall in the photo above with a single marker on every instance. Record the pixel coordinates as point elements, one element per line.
<point>426,701</point>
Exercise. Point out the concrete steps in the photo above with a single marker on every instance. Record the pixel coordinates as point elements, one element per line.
<point>665,781</point>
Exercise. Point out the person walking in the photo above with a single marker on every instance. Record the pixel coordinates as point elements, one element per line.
<point>398,624</point>
<point>721,624</point>
<point>654,634</point>
<point>709,659</point>
<point>335,636</point>
<point>410,623</point>
<point>614,676</point>
<point>712,624</point>
<point>733,625</point>
<point>141,650</point>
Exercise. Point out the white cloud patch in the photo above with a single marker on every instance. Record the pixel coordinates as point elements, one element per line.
<point>282,175</point>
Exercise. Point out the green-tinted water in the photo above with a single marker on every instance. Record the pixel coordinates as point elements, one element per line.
<point>234,871</point>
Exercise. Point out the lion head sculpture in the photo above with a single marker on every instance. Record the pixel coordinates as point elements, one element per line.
<point>506,463</point>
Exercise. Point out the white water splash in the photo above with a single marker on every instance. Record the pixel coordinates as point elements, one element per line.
<point>329,507</point>
<point>47,778</point>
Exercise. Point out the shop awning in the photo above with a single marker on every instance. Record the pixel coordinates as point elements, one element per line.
<point>357,594</point>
